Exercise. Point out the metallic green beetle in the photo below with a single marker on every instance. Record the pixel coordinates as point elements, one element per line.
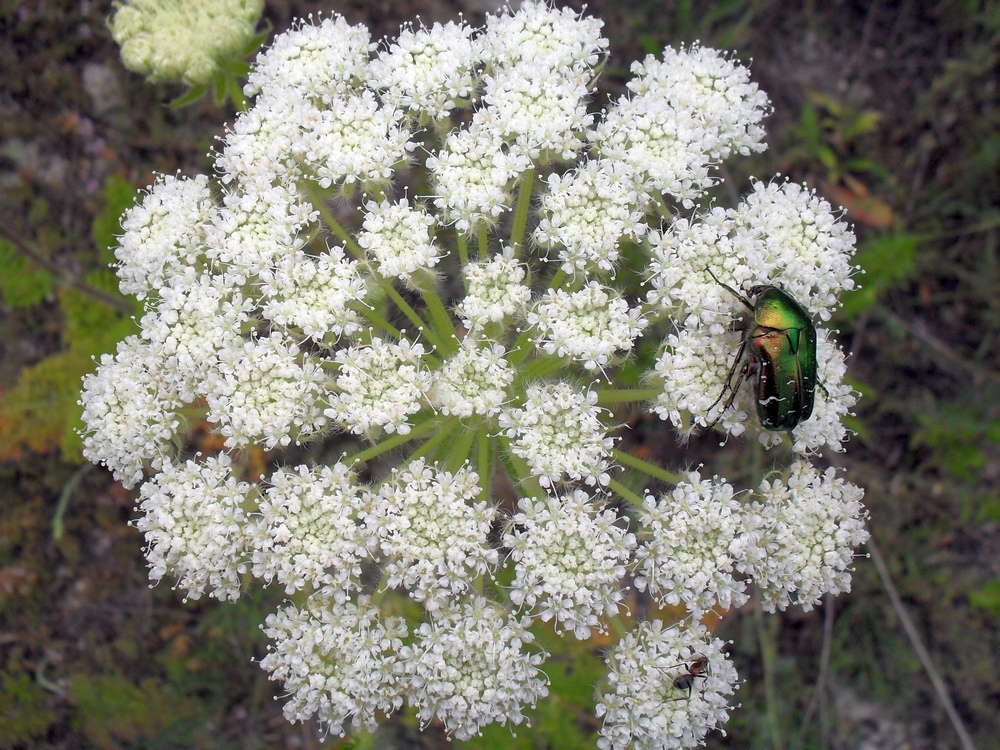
<point>779,347</point>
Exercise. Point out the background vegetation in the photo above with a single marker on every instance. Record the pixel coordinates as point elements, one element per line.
<point>890,109</point>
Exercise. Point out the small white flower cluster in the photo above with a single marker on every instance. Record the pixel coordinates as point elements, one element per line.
<point>433,536</point>
<point>569,556</point>
<point>183,40</point>
<point>810,526</point>
<point>698,540</point>
<point>471,312</point>
<point>781,235</point>
<point>667,688</point>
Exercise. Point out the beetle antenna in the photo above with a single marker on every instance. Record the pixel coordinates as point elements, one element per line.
<point>732,291</point>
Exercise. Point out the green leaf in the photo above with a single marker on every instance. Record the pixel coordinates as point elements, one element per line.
<point>22,283</point>
<point>189,97</point>
<point>987,598</point>
<point>886,261</point>
<point>119,195</point>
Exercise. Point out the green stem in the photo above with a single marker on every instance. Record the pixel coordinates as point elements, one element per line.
<point>518,470</point>
<point>335,226</point>
<point>625,493</point>
<point>463,248</point>
<point>381,323</point>
<point>609,396</point>
<point>444,329</point>
<point>460,450</point>
<point>521,211</point>
<point>432,444</point>
<point>484,462</point>
<point>424,328</point>
<point>484,242</point>
<point>769,659</point>
<point>645,467</point>
<point>416,432</point>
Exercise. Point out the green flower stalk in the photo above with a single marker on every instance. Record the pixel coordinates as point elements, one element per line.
<point>435,252</point>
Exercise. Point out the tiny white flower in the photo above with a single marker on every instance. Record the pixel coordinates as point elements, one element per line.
<point>379,386</point>
<point>542,113</point>
<point>536,32</point>
<point>592,325</point>
<point>163,234</point>
<point>685,113</point>
<point>472,175</point>
<point>318,295</point>
<point>196,318</point>
<point>356,140</point>
<point>558,431</point>
<point>309,531</point>
<point>569,558</point>
<point>130,411</point>
<point>195,527</point>
<point>810,527</point>
<point>322,62</point>
<point>468,668</point>
<point>337,660</point>
<point>652,701</point>
<point>265,391</point>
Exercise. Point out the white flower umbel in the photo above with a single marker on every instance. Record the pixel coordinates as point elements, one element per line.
<point>496,291</point>
<point>592,325</point>
<point>337,661</point>
<point>266,391</point>
<point>321,62</point>
<point>692,366</point>
<point>433,532</point>
<point>558,38</point>
<point>308,532</point>
<point>694,543</point>
<point>558,431</point>
<point>473,381</point>
<point>183,40</point>
<point>318,295</point>
<point>130,410</point>
<point>540,112</point>
<point>811,525</point>
<point>195,527</point>
<point>399,238</point>
<point>569,558</point>
<point>379,386</point>
<point>439,246</point>
<point>196,318</point>
<point>427,71</point>
<point>587,213</point>
<point>649,704</point>
<point>164,234</point>
<point>685,113</point>
<point>471,175</point>
<point>469,667</point>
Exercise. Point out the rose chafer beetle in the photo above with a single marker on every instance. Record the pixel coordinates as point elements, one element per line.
<point>779,348</point>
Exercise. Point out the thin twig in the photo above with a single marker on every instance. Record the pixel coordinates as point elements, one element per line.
<point>925,659</point>
<point>24,247</point>
<point>824,670</point>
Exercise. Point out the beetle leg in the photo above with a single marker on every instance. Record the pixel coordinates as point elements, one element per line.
<point>733,389</point>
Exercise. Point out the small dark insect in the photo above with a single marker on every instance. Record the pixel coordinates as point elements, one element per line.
<point>697,668</point>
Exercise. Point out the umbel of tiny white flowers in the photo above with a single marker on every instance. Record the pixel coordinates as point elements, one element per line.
<point>434,251</point>
<point>185,41</point>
